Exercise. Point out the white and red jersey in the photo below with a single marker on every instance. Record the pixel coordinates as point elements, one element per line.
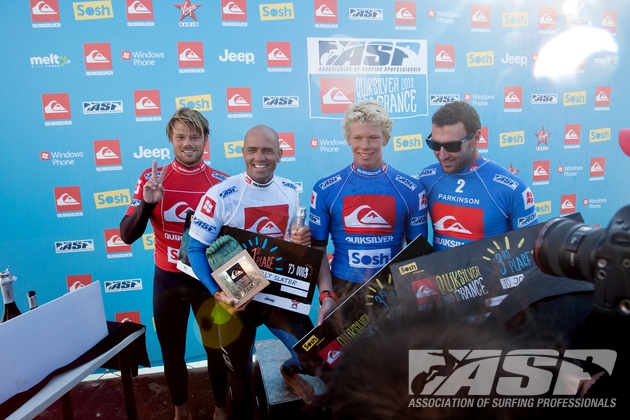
<point>268,209</point>
<point>183,187</point>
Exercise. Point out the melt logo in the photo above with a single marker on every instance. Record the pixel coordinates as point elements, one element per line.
<point>107,153</point>
<point>88,10</point>
<point>325,12</point>
<point>277,11</point>
<point>409,142</point>
<point>609,21</point>
<point>405,13</point>
<point>512,138</point>
<point>513,98</point>
<point>600,134</point>
<point>190,54</point>
<point>336,94</point>
<point>480,18</point>
<point>197,102</point>
<point>77,281</point>
<point>278,54</point>
<point>148,241</point>
<point>480,58</point>
<point>132,316</point>
<point>544,207</point>
<point>234,10</point>
<point>483,139</point>
<point>568,203</point>
<point>115,245</point>
<point>239,99</point>
<point>45,11</point>
<point>113,198</point>
<point>602,98</point>
<point>572,136</point>
<point>56,106</point>
<point>147,102</point>
<point>598,164</point>
<point>541,172</point>
<point>444,56</point>
<point>97,56</point>
<point>139,10</point>
<point>187,10</point>
<point>287,145</point>
<point>68,199</point>
<point>574,98</point>
<point>547,18</point>
<point>515,19</point>
<point>233,149</point>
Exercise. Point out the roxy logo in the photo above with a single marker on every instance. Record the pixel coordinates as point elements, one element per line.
<point>446,372</point>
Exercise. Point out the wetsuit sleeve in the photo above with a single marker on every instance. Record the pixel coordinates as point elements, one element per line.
<point>132,227</point>
<point>417,220</point>
<point>319,218</point>
<point>200,266</point>
<point>523,209</point>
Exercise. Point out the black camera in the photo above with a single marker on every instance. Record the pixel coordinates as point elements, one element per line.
<point>565,248</point>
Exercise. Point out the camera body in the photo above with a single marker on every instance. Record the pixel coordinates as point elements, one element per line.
<point>565,248</point>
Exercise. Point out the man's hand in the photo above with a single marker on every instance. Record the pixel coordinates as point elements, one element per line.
<point>301,236</point>
<point>228,304</point>
<point>328,305</point>
<point>153,189</point>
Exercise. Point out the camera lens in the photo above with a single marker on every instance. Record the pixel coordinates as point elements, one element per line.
<point>566,248</point>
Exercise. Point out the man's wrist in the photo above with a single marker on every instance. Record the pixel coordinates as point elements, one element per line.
<point>327,294</point>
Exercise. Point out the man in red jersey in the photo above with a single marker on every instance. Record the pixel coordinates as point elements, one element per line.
<point>163,195</point>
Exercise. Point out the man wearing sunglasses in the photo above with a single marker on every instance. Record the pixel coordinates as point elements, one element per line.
<point>469,196</point>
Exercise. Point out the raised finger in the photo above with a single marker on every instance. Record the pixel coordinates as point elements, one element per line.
<point>154,170</point>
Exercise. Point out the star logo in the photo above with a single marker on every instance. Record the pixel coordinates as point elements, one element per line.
<point>512,170</point>
<point>542,136</point>
<point>187,9</point>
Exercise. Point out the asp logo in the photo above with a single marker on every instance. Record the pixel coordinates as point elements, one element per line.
<point>336,94</point>
<point>113,198</point>
<point>77,281</point>
<point>363,13</point>
<point>56,106</point>
<point>234,9</point>
<point>409,142</point>
<point>139,9</point>
<point>440,99</point>
<point>131,316</point>
<point>278,54</point>
<point>190,54</point>
<point>81,245</point>
<point>239,99</point>
<point>107,152</point>
<point>197,102</point>
<point>277,11</point>
<point>367,214</point>
<point>44,11</point>
<point>568,203</point>
<point>68,199</point>
<point>480,58</point>
<point>547,18</point>
<point>445,372</point>
<point>480,16</point>
<point>233,149</point>
<point>102,107</point>
<point>281,102</point>
<point>97,56</point>
<point>602,96</point>
<point>113,242</point>
<point>88,10</point>
<point>122,285</point>
<point>147,102</point>
<point>444,56</point>
<point>405,13</point>
<point>287,143</point>
<point>325,11</point>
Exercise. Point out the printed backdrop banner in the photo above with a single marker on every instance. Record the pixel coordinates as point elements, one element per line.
<point>90,85</point>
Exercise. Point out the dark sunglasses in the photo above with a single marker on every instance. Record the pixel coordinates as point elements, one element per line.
<point>451,146</point>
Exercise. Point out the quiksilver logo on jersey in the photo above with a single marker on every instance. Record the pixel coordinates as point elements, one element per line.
<point>330,181</point>
<point>502,179</point>
<point>446,372</point>
<point>177,213</point>
<point>450,224</point>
